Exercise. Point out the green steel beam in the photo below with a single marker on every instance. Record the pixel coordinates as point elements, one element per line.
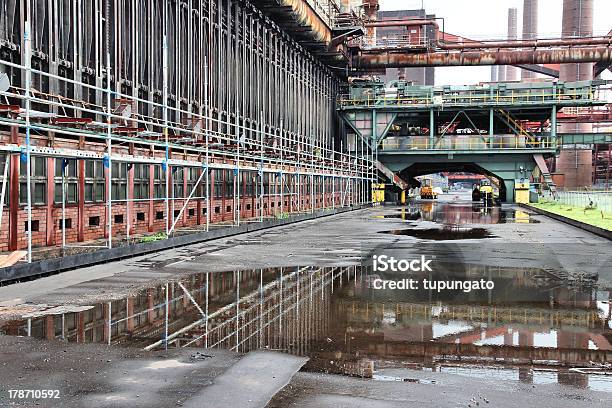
<point>585,138</point>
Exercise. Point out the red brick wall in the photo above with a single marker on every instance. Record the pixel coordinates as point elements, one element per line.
<point>50,233</point>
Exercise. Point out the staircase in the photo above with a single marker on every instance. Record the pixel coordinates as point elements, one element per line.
<point>395,179</point>
<point>513,123</point>
<point>539,159</point>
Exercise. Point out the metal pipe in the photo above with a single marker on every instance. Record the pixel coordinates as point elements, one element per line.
<point>28,80</point>
<point>538,43</point>
<point>368,61</point>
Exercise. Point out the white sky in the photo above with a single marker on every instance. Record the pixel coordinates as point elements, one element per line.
<point>480,19</point>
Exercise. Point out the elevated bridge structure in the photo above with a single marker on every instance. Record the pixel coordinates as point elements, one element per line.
<point>419,130</point>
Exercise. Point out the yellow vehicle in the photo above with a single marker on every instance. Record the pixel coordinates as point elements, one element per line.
<point>486,191</point>
<point>378,193</point>
<point>427,191</point>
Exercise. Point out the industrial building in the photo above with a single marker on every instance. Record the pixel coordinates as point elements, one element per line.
<point>140,120</point>
<point>196,198</point>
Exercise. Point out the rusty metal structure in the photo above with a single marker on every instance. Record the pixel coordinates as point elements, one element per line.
<point>120,119</point>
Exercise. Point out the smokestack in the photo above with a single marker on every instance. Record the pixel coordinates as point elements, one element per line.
<point>493,73</point>
<point>577,22</point>
<point>576,162</point>
<point>530,29</point>
<point>506,72</point>
<point>370,9</point>
<point>512,72</point>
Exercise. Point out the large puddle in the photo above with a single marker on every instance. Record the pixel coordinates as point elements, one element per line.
<point>531,327</point>
<point>443,234</point>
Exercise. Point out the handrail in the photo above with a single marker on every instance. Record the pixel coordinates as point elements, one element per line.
<point>468,98</point>
<point>468,142</point>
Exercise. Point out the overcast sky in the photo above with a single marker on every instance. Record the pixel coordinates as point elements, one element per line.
<point>480,19</point>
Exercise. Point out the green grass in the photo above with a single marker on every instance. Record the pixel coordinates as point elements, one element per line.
<point>592,216</point>
<point>152,238</point>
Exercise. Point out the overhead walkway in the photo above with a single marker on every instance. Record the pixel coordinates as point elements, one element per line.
<point>502,130</point>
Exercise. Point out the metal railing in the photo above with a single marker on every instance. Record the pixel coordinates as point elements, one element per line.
<point>485,97</point>
<point>601,200</point>
<point>467,142</point>
<point>400,41</point>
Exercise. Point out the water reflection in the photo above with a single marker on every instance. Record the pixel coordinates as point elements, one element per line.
<point>238,310</point>
<point>462,213</point>
<point>527,324</point>
<point>531,327</point>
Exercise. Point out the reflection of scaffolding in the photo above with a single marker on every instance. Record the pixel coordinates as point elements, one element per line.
<point>279,308</point>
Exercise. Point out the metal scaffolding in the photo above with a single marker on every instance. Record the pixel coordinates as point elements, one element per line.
<point>233,94</point>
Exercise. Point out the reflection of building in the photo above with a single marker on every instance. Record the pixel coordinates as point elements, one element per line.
<point>525,322</point>
<point>416,35</point>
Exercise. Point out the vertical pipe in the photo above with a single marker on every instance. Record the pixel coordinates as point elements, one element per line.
<point>165,120</point>
<point>28,79</point>
<point>63,204</point>
<point>206,309</point>
<point>109,189</point>
<point>166,315</point>
<point>261,169</point>
<point>110,322</point>
<point>261,297</point>
<point>237,309</point>
<point>207,141</point>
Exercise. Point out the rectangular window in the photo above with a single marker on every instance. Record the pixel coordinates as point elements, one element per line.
<point>141,181</point>
<point>178,175</point>
<point>95,183</point>
<point>218,187</point>
<point>35,226</point>
<point>66,170</point>
<point>229,183</point>
<point>250,178</point>
<point>266,183</point>
<point>159,182</point>
<point>119,180</point>
<point>192,177</point>
<point>38,180</point>
<point>67,221</point>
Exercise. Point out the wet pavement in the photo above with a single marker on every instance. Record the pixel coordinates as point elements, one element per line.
<point>311,290</point>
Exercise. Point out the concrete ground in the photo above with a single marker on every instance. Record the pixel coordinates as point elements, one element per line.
<point>95,375</point>
<point>98,375</point>
<point>343,239</point>
<point>427,389</point>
